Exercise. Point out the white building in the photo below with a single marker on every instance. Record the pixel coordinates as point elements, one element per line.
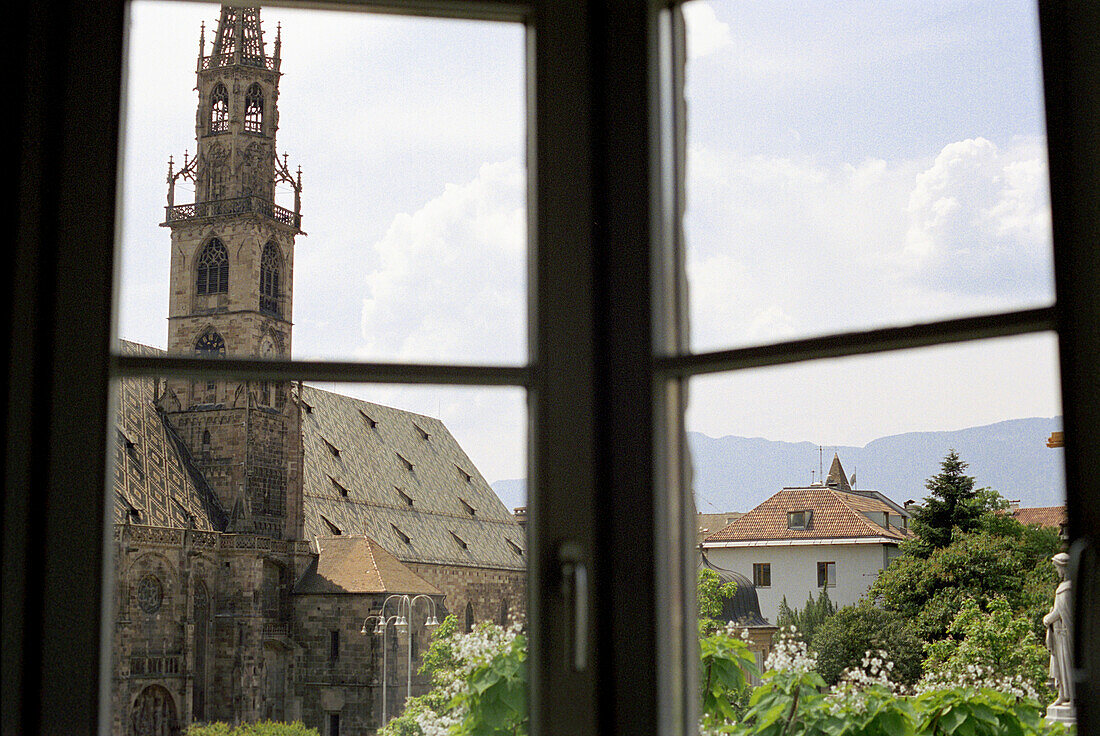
<point>803,540</point>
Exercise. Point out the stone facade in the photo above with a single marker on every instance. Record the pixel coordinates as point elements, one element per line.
<point>230,606</point>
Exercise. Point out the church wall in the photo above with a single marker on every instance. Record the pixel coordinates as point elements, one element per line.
<point>485,589</point>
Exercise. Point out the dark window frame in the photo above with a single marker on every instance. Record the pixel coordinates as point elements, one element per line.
<point>606,376</point>
<point>762,574</point>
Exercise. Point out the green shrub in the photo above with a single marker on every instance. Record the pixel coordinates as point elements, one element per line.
<point>843,639</point>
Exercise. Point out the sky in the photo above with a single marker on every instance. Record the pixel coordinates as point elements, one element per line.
<point>850,165</point>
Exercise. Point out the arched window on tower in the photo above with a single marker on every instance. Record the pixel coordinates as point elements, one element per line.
<point>219,109</point>
<point>254,110</point>
<point>209,345</point>
<point>469,617</point>
<point>213,269</point>
<point>269,279</point>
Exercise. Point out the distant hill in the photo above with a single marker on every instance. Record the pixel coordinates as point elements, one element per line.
<point>736,473</point>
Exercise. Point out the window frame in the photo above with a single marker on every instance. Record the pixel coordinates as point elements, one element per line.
<point>762,574</point>
<point>607,372</point>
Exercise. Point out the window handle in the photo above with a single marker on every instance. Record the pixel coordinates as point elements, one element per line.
<point>574,587</point>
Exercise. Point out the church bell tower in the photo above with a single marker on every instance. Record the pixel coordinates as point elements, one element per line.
<point>231,287</point>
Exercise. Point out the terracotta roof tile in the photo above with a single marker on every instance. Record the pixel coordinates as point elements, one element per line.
<point>358,564</point>
<point>1049,516</point>
<point>835,515</point>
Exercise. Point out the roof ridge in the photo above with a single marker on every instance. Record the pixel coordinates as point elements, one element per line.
<point>867,523</point>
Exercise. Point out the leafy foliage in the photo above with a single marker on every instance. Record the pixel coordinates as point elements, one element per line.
<point>262,728</point>
<point>726,664</point>
<point>843,639</point>
<point>996,646</point>
<point>712,594</point>
<point>807,620</point>
<point>1002,558</point>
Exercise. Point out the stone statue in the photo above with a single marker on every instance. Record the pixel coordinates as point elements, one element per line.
<point>1059,626</point>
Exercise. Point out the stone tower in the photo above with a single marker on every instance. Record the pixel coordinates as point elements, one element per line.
<point>231,277</point>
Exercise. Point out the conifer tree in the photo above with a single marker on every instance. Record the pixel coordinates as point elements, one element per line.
<point>953,503</point>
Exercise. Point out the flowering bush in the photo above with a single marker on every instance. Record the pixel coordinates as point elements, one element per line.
<point>480,685</point>
<point>994,650</point>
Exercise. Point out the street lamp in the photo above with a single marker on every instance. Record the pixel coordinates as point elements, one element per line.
<point>403,625</point>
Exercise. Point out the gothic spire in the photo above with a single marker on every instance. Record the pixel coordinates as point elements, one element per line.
<point>239,38</point>
<point>836,478</point>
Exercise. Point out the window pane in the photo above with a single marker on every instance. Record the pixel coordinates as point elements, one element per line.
<point>829,437</point>
<point>861,165</point>
<point>283,538</point>
<point>409,134</point>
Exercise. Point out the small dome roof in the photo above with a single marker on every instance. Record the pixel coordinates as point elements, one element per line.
<point>744,608</point>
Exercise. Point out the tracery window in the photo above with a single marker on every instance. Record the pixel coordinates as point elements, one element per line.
<point>213,269</point>
<point>150,594</point>
<point>219,109</point>
<point>254,109</point>
<point>269,279</point>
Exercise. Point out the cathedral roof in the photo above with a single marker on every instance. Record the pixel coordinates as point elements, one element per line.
<point>403,480</point>
<point>156,482</point>
<point>359,565</point>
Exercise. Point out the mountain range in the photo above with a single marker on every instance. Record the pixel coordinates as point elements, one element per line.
<point>736,473</point>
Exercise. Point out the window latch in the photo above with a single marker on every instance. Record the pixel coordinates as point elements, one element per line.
<point>574,587</point>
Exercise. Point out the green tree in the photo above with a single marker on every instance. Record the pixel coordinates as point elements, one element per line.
<point>1000,558</point>
<point>809,618</point>
<point>841,641</point>
<point>711,594</point>
<point>954,503</point>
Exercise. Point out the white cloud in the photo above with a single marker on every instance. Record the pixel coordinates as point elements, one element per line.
<point>786,246</point>
<point>451,283</point>
<point>705,33</point>
<point>979,221</point>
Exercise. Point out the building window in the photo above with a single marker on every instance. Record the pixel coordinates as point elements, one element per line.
<point>762,574</point>
<point>219,109</point>
<point>334,645</point>
<point>269,279</point>
<point>333,724</point>
<point>469,617</point>
<point>254,110</point>
<point>826,574</point>
<point>799,519</point>
<point>213,269</point>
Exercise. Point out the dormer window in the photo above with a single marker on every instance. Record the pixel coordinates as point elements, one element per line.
<point>254,110</point>
<point>339,488</point>
<point>219,109</point>
<point>402,535</point>
<point>404,496</point>
<point>333,450</point>
<point>515,547</point>
<point>460,541</point>
<point>424,434</point>
<point>464,475</point>
<point>469,509</point>
<point>405,461</point>
<point>332,528</point>
<point>799,519</point>
<point>369,420</point>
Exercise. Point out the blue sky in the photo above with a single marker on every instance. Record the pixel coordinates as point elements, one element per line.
<point>850,165</point>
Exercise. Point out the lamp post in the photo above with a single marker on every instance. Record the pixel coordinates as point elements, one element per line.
<point>401,623</point>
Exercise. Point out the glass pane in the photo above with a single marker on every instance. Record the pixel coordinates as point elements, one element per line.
<point>856,165</point>
<point>864,481</point>
<point>409,134</point>
<point>295,534</point>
